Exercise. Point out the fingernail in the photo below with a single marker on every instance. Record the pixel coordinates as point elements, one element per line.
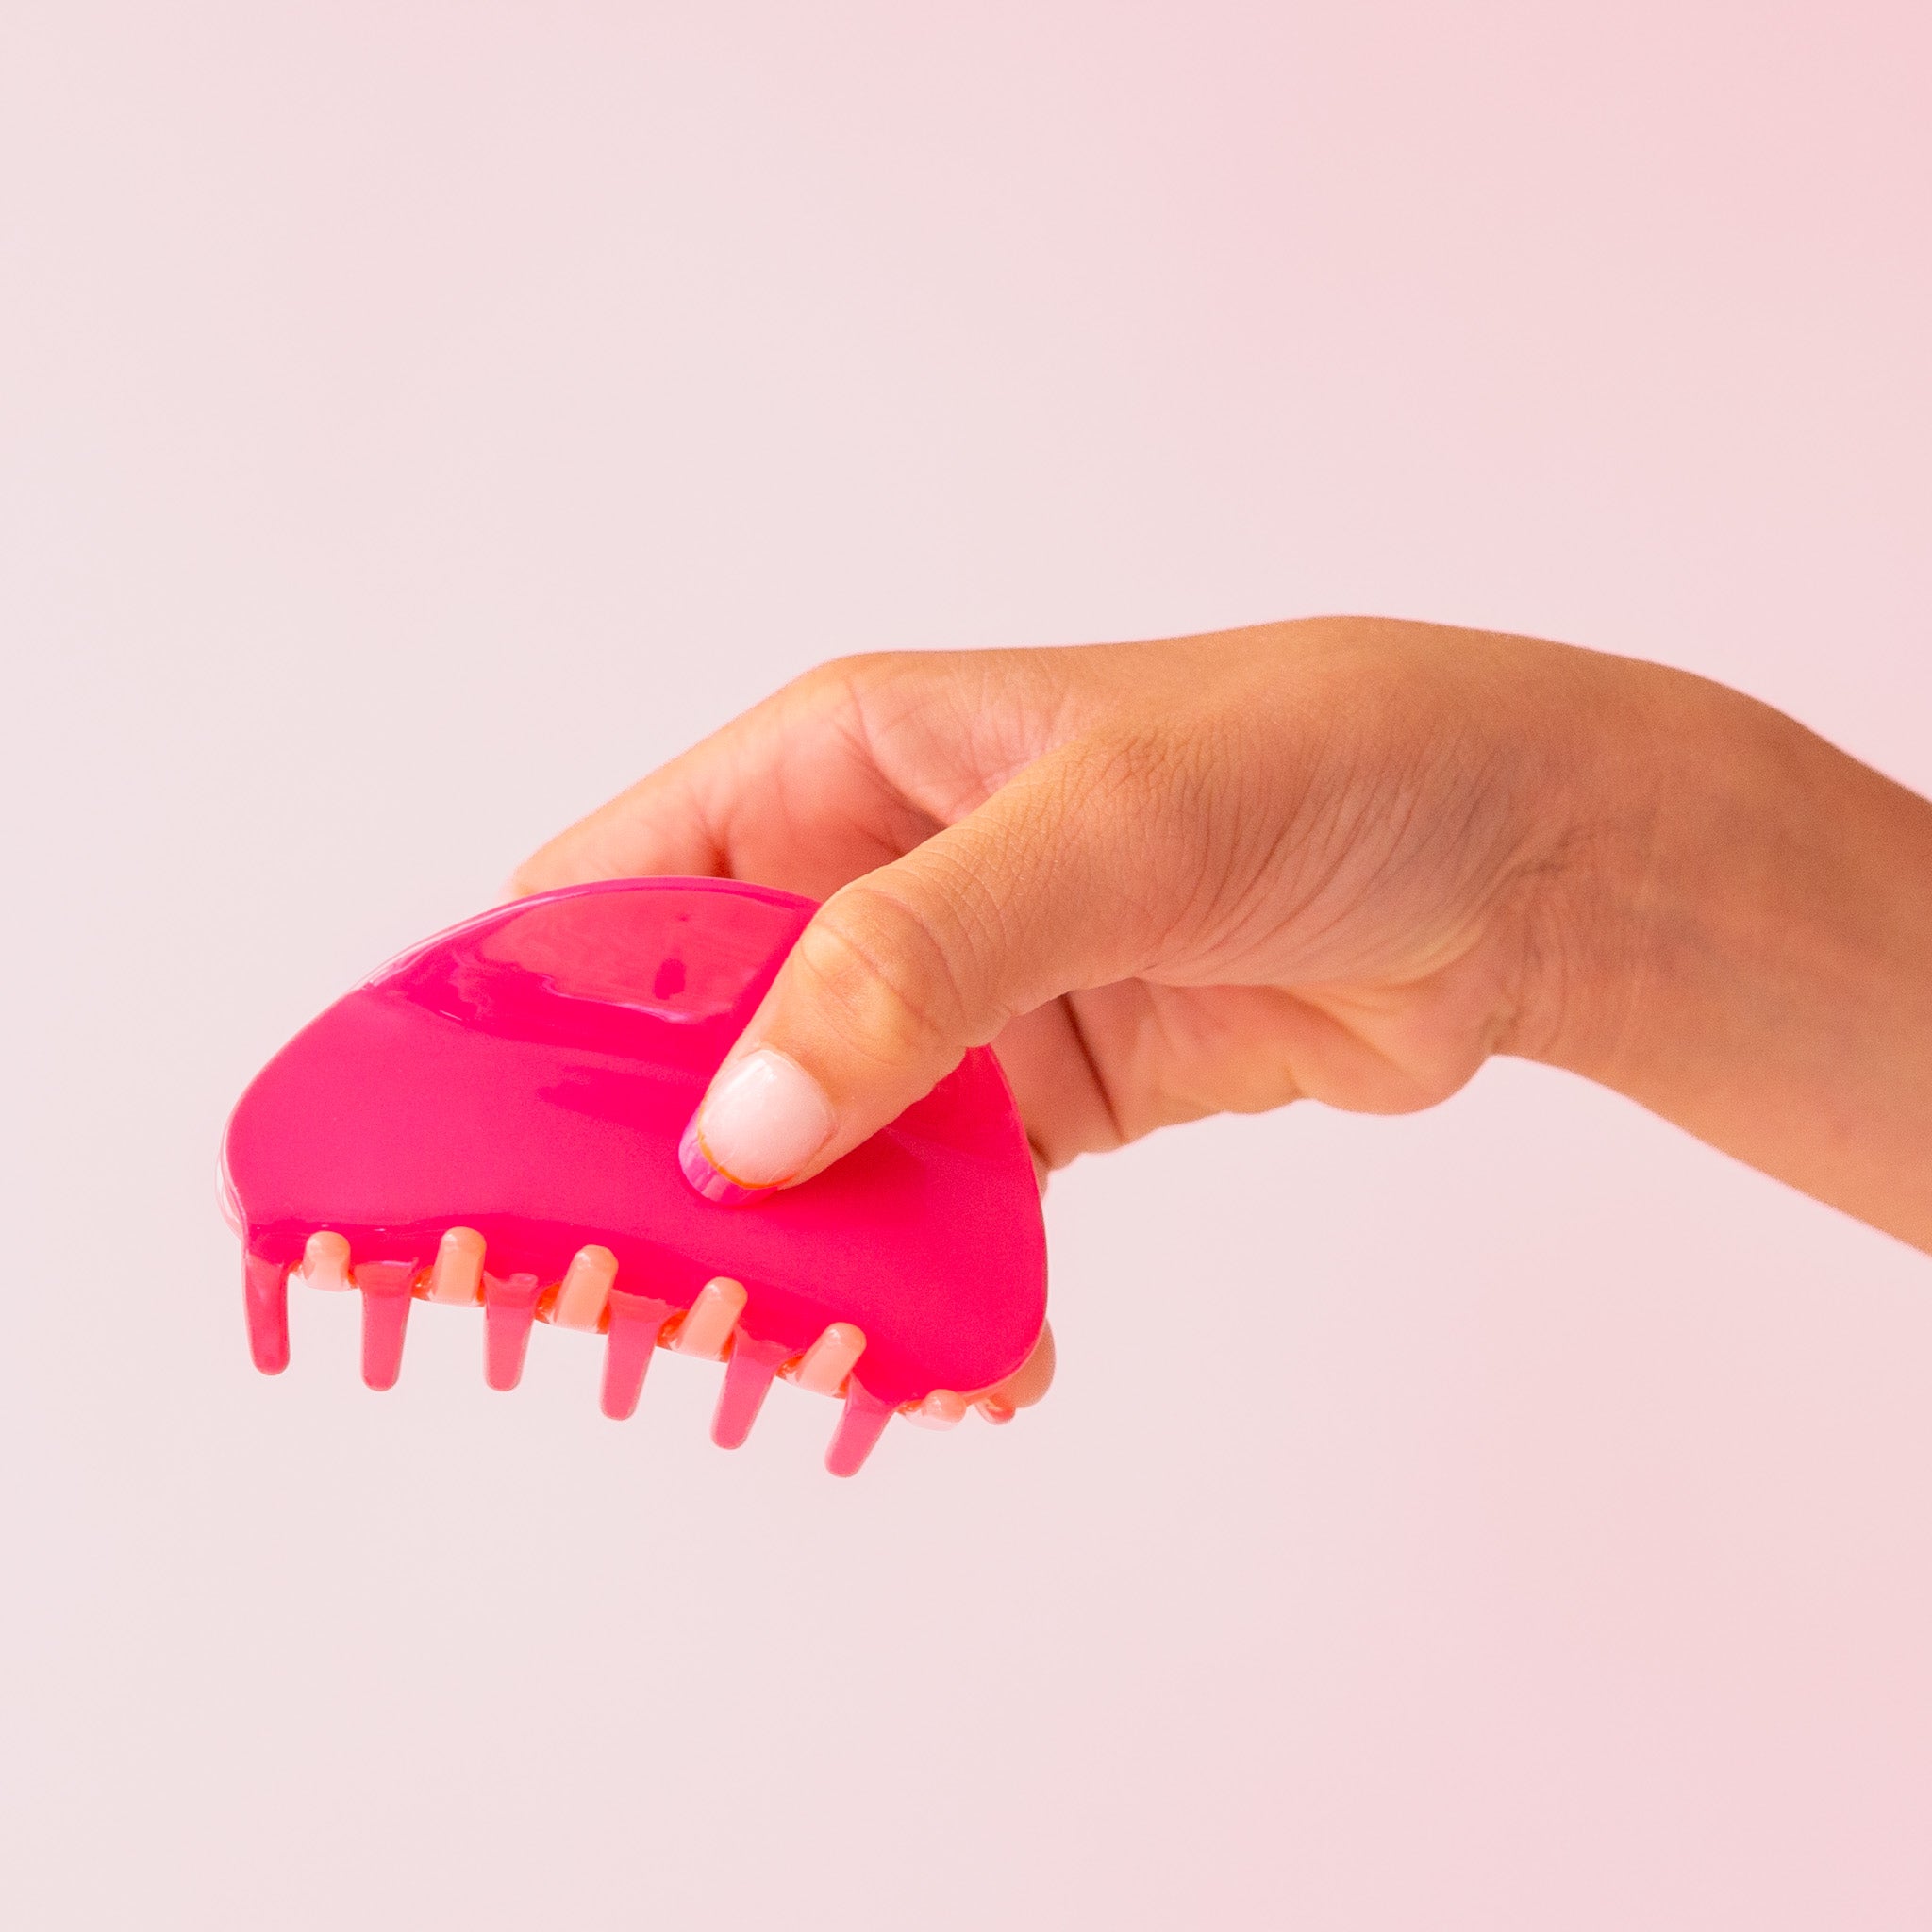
<point>941,1409</point>
<point>763,1119</point>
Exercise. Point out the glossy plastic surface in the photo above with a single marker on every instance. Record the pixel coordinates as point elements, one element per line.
<point>528,1075</point>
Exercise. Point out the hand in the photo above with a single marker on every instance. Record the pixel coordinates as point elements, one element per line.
<point>1342,858</point>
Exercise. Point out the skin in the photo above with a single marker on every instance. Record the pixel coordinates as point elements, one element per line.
<point>1342,859</point>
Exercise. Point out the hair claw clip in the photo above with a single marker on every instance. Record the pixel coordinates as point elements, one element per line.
<point>494,1117</point>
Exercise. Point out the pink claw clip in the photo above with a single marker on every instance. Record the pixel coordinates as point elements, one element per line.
<point>494,1117</point>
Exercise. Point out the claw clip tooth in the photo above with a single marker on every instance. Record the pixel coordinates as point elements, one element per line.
<point>860,1423</point>
<point>386,1296</point>
<point>325,1260</point>
<point>458,1276</point>
<point>509,1306</point>
<point>706,1326</point>
<point>748,1373</point>
<point>265,1285</point>
<point>636,1321</point>
<point>825,1364</point>
<point>586,1290</point>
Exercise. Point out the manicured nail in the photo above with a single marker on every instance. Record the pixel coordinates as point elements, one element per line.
<point>763,1119</point>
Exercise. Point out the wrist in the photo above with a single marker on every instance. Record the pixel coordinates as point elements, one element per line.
<point>1739,938</point>
<point>1658,854</point>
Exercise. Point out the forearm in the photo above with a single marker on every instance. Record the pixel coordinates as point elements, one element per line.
<point>1758,964</point>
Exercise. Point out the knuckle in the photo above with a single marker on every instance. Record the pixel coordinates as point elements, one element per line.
<point>883,973</point>
<point>848,679</point>
<point>849,695</point>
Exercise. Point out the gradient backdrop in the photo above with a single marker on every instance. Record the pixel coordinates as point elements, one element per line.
<point>416,422</point>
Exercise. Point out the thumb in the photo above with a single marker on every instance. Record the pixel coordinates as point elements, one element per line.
<point>903,969</point>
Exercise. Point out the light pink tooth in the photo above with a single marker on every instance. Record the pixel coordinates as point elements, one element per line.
<point>458,1276</point>
<point>509,1306</point>
<point>636,1321</point>
<point>748,1373</point>
<point>995,1408</point>
<point>386,1296</point>
<point>708,1328</point>
<point>325,1260</point>
<point>828,1360</point>
<point>862,1422</point>
<point>941,1409</point>
<point>266,1297</point>
<point>581,1300</point>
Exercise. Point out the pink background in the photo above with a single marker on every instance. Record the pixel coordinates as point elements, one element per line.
<point>415,422</point>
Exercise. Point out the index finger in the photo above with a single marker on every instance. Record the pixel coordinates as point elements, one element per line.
<point>788,795</point>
